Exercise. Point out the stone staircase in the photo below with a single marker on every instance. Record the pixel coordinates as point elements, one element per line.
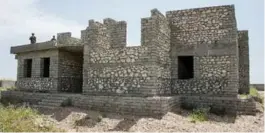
<point>52,101</point>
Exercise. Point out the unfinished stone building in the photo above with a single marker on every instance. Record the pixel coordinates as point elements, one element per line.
<point>193,58</point>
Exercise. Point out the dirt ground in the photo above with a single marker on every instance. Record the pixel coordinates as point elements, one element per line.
<point>78,120</point>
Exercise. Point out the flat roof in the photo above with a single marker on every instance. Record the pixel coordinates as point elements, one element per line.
<point>69,44</point>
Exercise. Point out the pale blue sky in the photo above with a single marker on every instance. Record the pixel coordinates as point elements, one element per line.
<point>47,17</point>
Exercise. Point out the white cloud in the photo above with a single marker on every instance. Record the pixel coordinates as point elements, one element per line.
<point>18,19</point>
<point>22,17</point>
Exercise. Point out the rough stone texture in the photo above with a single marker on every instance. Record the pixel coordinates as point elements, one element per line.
<point>7,83</point>
<point>20,96</point>
<point>243,62</point>
<point>128,70</point>
<point>246,106</point>
<point>70,71</point>
<point>226,103</point>
<point>140,105</point>
<point>127,105</point>
<point>210,35</point>
<point>102,66</point>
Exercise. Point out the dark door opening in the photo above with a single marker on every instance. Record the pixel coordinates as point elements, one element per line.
<point>185,67</point>
<point>45,66</point>
<point>27,68</point>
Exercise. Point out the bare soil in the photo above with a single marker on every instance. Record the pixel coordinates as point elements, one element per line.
<point>78,120</point>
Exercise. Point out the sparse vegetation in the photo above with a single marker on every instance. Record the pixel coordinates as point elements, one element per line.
<point>253,92</point>
<point>199,115</point>
<point>23,119</point>
<point>2,89</point>
<point>243,96</point>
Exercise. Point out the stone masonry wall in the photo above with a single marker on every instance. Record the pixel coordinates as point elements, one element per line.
<point>7,83</point>
<point>20,96</point>
<point>243,62</point>
<point>70,71</point>
<point>145,106</point>
<point>127,71</point>
<point>246,106</point>
<point>210,35</point>
<point>36,82</point>
<point>228,104</point>
<point>156,36</point>
<point>117,31</point>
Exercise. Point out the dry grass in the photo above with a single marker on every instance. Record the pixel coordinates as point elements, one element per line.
<point>23,119</point>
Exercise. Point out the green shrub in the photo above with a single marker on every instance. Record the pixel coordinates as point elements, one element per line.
<point>254,92</point>
<point>22,119</point>
<point>199,115</point>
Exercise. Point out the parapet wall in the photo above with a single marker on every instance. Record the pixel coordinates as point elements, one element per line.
<point>117,32</point>
<point>66,39</point>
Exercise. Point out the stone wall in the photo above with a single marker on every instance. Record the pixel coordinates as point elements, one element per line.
<point>129,70</point>
<point>7,83</point>
<point>156,36</point>
<point>144,106</point>
<point>246,106</point>
<point>36,82</point>
<point>243,62</point>
<point>65,39</point>
<point>210,35</point>
<point>227,104</point>
<point>70,71</point>
<point>117,32</point>
<point>259,87</point>
<point>20,96</point>
<point>127,105</point>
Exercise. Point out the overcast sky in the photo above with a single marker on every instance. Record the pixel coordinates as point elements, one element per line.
<point>19,18</point>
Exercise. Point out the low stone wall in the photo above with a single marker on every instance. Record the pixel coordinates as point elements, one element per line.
<point>32,98</point>
<point>127,105</point>
<point>246,106</point>
<point>7,83</point>
<point>259,87</point>
<point>218,104</point>
<point>143,106</point>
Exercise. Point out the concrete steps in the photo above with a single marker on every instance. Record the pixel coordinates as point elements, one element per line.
<point>52,101</point>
